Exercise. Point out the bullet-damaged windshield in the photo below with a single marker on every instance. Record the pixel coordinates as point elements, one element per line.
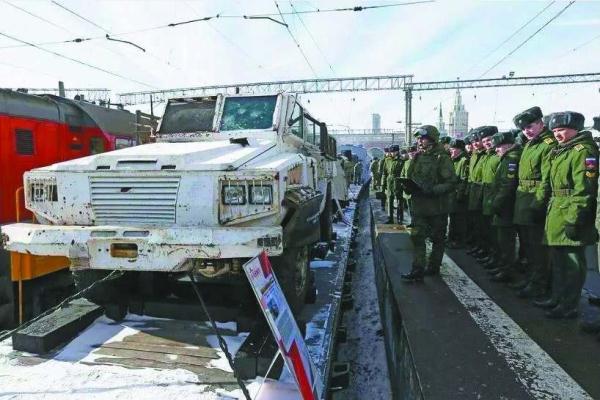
<point>189,116</point>
<point>254,112</point>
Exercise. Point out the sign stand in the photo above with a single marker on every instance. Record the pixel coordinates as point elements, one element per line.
<point>283,325</point>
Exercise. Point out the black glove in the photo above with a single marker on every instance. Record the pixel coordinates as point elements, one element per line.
<point>572,232</point>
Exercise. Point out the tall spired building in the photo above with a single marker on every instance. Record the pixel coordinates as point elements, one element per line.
<point>441,125</point>
<point>458,125</point>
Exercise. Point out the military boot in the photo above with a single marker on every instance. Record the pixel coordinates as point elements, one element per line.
<point>519,284</point>
<point>431,271</point>
<point>559,312</point>
<point>416,275</point>
<point>529,292</point>
<point>588,326</point>
<point>547,303</point>
<point>502,276</point>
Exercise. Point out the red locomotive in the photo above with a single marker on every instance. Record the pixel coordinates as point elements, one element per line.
<point>38,130</point>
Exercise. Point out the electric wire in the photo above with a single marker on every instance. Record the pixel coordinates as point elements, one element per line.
<point>529,38</point>
<point>511,36</point>
<point>295,41</point>
<point>241,16</point>
<point>76,60</point>
<point>311,36</point>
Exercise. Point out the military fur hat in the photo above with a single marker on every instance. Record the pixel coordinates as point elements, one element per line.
<point>386,149</point>
<point>394,148</point>
<point>429,131</point>
<point>567,119</point>
<point>485,131</point>
<point>474,135</point>
<point>499,138</point>
<point>412,148</point>
<point>528,116</point>
<point>596,123</point>
<point>467,140</point>
<point>445,140</point>
<point>457,144</point>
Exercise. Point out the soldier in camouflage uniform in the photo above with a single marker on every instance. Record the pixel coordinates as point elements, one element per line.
<point>375,175</point>
<point>381,168</point>
<point>391,173</point>
<point>474,190</point>
<point>502,203</point>
<point>411,153</point>
<point>457,232</point>
<point>530,210</point>
<point>572,183</point>
<point>433,178</point>
<point>488,171</point>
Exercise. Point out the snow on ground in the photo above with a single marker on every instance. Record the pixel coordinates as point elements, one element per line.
<point>365,348</point>
<point>67,375</point>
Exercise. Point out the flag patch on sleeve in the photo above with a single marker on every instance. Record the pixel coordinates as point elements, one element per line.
<point>591,164</point>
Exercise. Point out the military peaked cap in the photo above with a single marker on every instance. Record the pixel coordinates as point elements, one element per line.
<point>567,119</point>
<point>485,131</point>
<point>503,138</point>
<point>457,144</point>
<point>528,116</point>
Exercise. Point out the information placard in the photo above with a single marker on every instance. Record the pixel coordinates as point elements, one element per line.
<point>283,325</point>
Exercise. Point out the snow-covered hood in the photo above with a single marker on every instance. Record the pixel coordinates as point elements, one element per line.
<point>190,156</point>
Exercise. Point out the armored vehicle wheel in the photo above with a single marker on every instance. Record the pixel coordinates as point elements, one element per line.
<point>292,270</point>
<point>326,218</point>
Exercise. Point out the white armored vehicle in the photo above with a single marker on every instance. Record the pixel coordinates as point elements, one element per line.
<point>229,176</point>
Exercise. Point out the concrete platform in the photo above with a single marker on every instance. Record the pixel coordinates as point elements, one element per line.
<point>448,339</point>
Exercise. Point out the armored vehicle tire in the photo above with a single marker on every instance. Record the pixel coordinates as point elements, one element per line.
<point>292,270</point>
<point>111,291</point>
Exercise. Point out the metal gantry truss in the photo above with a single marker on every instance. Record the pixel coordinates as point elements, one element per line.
<point>356,84</point>
<point>89,94</point>
<point>352,84</point>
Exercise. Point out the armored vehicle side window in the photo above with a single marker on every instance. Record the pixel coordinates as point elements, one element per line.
<point>295,121</point>
<point>189,116</point>
<point>248,113</point>
<point>309,131</point>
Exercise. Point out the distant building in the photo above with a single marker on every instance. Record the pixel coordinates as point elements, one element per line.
<point>458,124</point>
<point>376,123</point>
<point>441,125</point>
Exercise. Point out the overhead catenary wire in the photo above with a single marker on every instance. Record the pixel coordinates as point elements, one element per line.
<point>515,33</point>
<point>295,40</point>
<point>241,16</point>
<point>311,36</point>
<point>86,64</point>
<point>528,38</point>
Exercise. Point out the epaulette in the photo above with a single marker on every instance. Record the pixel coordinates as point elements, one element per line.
<point>549,140</point>
<point>579,147</point>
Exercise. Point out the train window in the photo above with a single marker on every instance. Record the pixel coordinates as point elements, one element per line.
<point>24,140</point>
<point>76,146</point>
<point>74,123</point>
<point>121,143</point>
<point>96,145</point>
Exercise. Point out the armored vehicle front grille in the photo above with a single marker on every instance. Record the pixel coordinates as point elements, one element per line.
<point>134,199</point>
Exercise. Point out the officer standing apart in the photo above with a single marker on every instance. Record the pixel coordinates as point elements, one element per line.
<point>432,172</point>
<point>573,180</point>
<point>457,232</point>
<point>502,203</point>
<point>530,213</point>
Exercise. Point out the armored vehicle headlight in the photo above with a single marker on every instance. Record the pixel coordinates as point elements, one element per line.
<point>234,194</point>
<point>261,194</point>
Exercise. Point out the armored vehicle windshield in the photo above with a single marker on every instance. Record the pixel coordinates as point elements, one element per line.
<point>189,115</point>
<point>254,112</point>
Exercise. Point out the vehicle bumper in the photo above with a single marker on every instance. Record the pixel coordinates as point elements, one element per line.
<point>155,249</point>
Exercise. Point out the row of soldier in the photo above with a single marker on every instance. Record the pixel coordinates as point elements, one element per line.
<point>537,183</point>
